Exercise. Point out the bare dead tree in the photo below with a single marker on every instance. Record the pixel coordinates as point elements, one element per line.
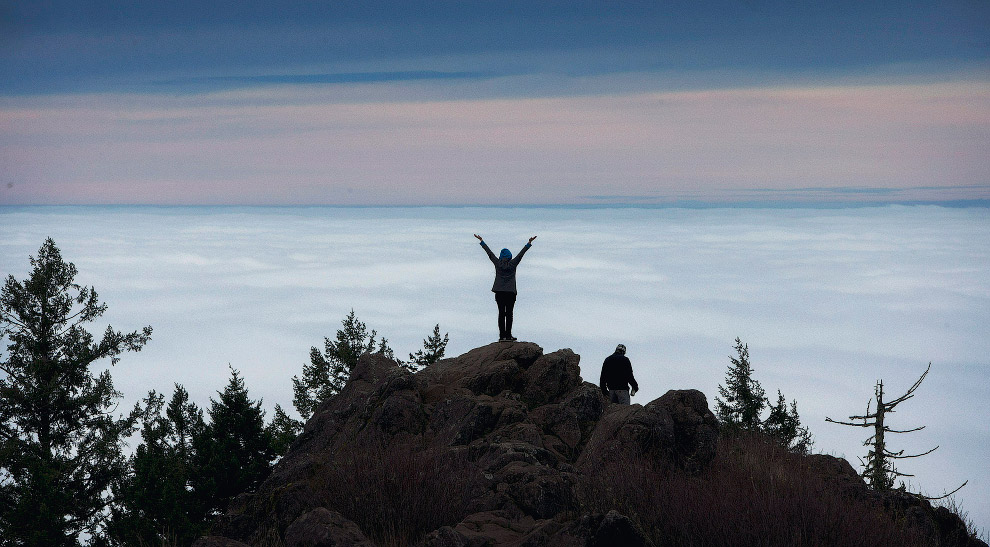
<point>879,469</point>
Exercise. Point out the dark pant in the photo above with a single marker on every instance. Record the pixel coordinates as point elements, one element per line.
<point>505,300</point>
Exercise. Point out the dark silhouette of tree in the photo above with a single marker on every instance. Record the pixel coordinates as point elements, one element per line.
<point>177,474</point>
<point>152,504</point>
<point>433,350</point>
<point>327,372</point>
<point>186,420</point>
<point>784,426</point>
<point>283,429</point>
<point>879,469</point>
<point>60,445</point>
<point>742,399</point>
<point>233,453</point>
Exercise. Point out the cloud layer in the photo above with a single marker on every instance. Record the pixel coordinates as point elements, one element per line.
<point>828,300</point>
<point>291,145</point>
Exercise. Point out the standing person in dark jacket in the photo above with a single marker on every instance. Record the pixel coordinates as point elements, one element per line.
<point>617,375</point>
<point>505,285</point>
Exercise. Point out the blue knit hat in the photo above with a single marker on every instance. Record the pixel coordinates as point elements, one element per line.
<point>505,254</point>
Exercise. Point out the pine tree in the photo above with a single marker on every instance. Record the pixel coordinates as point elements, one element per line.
<point>742,398</point>
<point>327,372</point>
<point>233,453</point>
<point>152,503</point>
<point>283,429</point>
<point>60,445</point>
<point>784,426</point>
<point>186,421</point>
<point>433,350</point>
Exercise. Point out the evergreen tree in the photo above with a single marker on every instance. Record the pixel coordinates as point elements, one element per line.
<point>186,421</point>
<point>433,350</point>
<point>60,446</point>
<point>327,372</point>
<point>152,503</point>
<point>784,425</point>
<point>283,429</point>
<point>233,453</point>
<point>742,399</point>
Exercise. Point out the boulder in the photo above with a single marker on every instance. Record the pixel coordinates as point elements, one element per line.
<point>695,427</point>
<point>678,428</point>
<point>550,377</point>
<point>324,528</point>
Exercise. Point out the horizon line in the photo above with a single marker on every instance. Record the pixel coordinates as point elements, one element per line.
<point>684,204</point>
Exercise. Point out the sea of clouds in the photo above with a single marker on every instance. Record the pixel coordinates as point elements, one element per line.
<point>828,300</point>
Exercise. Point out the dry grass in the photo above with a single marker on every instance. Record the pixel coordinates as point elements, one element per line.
<point>755,493</point>
<point>398,494</point>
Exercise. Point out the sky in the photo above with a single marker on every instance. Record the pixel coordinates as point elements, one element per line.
<point>508,103</point>
<point>712,170</point>
<point>828,300</point>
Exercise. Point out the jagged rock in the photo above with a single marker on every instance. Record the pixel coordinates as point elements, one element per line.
<point>324,528</point>
<point>695,427</point>
<point>551,377</point>
<point>677,428</point>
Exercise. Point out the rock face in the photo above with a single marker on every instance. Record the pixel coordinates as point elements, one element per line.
<point>493,447</point>
<point>521,428</point>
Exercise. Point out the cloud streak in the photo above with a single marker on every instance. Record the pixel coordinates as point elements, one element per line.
<point>214,83</point>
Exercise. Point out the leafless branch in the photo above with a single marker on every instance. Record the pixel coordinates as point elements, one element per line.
<point>889,430</point>
<point>827,419</point>
<point>910,390</point>
<point>943,496</point>
<point>900,457</point>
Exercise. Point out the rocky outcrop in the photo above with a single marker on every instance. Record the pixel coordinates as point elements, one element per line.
<point>523,427</point>
<point>495,447</point>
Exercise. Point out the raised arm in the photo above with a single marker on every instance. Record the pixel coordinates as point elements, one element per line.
<point>491,255</point>
<point>523,251</point>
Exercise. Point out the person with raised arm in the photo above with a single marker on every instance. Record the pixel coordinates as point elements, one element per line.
<point>504,286</point>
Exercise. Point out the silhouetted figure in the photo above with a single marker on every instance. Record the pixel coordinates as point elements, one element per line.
<point>617,376</point>
<point>505,285</point>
